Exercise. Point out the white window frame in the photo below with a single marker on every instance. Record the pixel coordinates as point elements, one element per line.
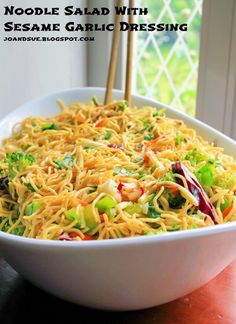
<point>216,101</point>
<point>216,97</point>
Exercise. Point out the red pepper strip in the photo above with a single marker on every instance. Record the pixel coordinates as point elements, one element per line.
<point>120,186</point>
<point>204,203</point>
<point>88,237</point>
<point>102,217</point>
<point>147,159</point>
<point>101,123</point>
<point>227,211</point>
<point>141,191</point>
<point>77,201</point>
<point>74,235</point>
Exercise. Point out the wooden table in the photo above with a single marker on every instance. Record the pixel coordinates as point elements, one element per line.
<point>212,304</point>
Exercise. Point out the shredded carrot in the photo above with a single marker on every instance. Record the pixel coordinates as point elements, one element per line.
<point>62,172</point>
<point>101,123</point>
<point>82,202</point>
<point>56,202</point>
<point>77,201</point>
<point>88,237</point>
<point>227,211</point>
<point>151,142</point>
<point>172,187</point>
<point>79,119</point>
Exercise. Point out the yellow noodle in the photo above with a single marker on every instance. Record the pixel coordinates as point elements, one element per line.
<point>82,155</point>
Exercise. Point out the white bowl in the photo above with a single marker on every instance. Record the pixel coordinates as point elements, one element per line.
<point>128,273</point>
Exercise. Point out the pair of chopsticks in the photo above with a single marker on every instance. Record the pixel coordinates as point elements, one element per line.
<point>114,54</point>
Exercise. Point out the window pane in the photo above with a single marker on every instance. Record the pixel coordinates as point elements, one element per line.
<point>167,61</point>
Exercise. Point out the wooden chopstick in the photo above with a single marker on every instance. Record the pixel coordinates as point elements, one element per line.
<point>113,58</point>
<point>114,54</point>
<point>129,64</point>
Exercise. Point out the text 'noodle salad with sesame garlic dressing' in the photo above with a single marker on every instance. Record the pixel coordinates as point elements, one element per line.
<point>100,172</point>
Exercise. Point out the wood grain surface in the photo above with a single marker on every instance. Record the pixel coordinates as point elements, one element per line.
<point>214,303</point>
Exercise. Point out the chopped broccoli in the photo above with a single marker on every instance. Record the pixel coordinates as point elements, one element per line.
<point>32,208</point>
<point>49,127</point>
<point>149,137</point>
<point>196,157</point>
<point>146,125</point>
<point>105,205</point>
<point>205,175</point>
<point>226,204</point>
<point>64,164</point>
<point>30,187</point>
<point>88,147</point>
<point>145,121</point>
<point>18,162</point>
<point>175,227</point>
<point>122,106</point>
<point>108,135</point>
<point>95,101</point>
<point>160,113</point>
<point>18,230</point>
<point>152,213</point>
<point>150,197</point>
<point>179,138</point>
<point>6,225</point>
<point>176,202</point>
<point>141,174</point>
<point>139,159</point>
<point>169,176</point>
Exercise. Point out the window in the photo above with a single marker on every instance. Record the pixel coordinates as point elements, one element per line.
<point>33,69</point>
<point>167,61</point>
<point>211,87</point>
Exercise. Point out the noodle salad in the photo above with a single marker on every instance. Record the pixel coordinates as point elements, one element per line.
<point>97,172</point>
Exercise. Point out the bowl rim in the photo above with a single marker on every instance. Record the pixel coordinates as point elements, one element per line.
<point>121,242</point>
<point>118,242</point>
<point>118,91</point>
